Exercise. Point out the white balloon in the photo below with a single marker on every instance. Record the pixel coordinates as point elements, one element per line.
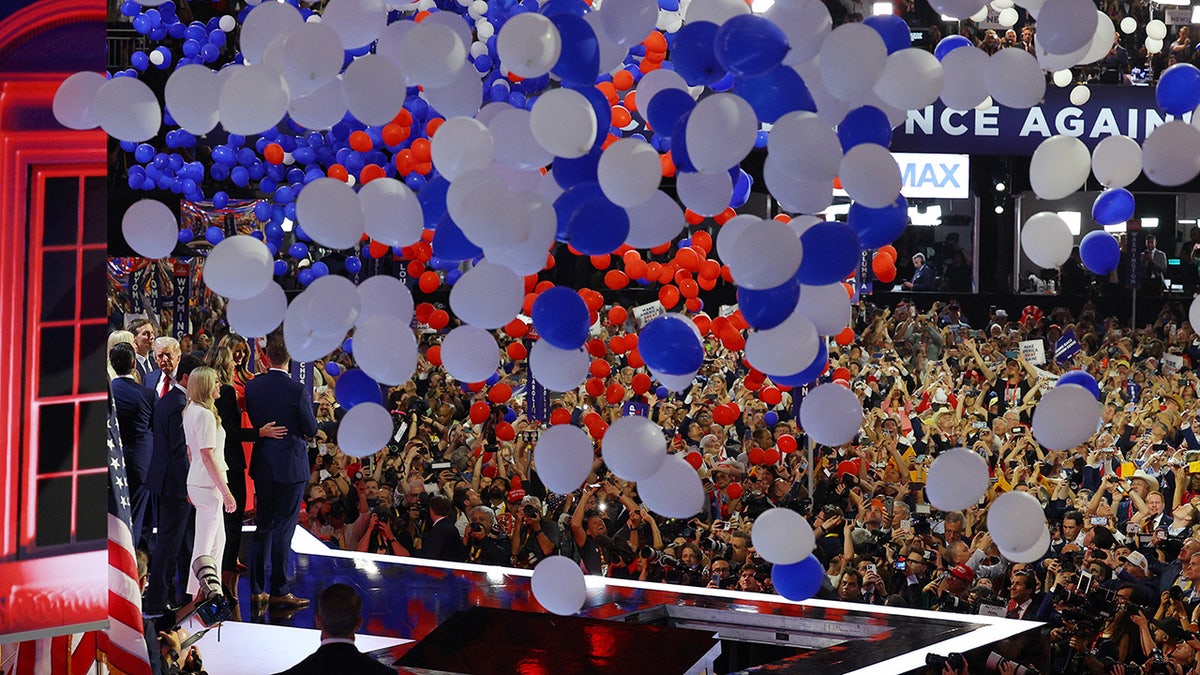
<point>320,109</point>
<point>629,172</point>
<point>963,85</point>
<point>804,146</point>
<point>958,9</point>
<point>806,23</point>
<point>830,108</point>
<point>453,21</point>
<point>1046,239</point>
<point>466,145</point>
<point>558,369</point>
<point>1033,553</point>
<point>956,480</point>
<point>828,307</point>
<point>658,80</point>
<point>460,98</point>
<point>239,267</point>
<point>655,221</point>
<point>831,414</point>
<point>673,382</point>
<point>303,342</point>
<point>731,230</point>
<point>391,41</point>
<point>1054,61</point>
<point>1066,417</point>
<point>558,585</point>
<point>433,54</point>
<point>364,430</point>
<point>1102,40</point>
<point>563,123</point>
<point>487,296</point>
<point>385,349</point>
<point>1080,94</point>
<point>259,315</point>
<point>1156,29</point>
<point>612,55</point>
<point>1194,311</point>
<point>669,22</point>
<point>332,305</point>
<point>253,100</point>
<point>263,25</point>
<point>191,95</point>
<point>1009,17</point>
<point>373,89</point>
<point>1171,153</point>
<point>391,213</point>
<point>564,456</point>
<point>1064,26</point>
<point>470,354</point>
<point>706,193</point>
<point>73,99</point>
<point>488,213</point>
<point>529,44</point>
<point>1063,77</point>
<point>785,349</point>
<point>674,491</point>
<point>1128,25</point>
<point>628,22</point>
<point>782,536</point>
<point>312,55</point>
<point>528,256</point>
<point>912,79</point>
<point>385,295</point>
<point>150,228</point>
<point>715,11</point>
<point>329,212</point>
<point>1014,78</point>
<point>515,145</point>
<point>356,22</point>
<point>1015,520</point>
<point>634,448</point>
<point>765,255</point>
<point>796,195</point>
<point>720,132</point>
<point>852,60</point>
<point>870,175</point>
<point>1153,45</point>
<point>1059,167</point>
<point>127,109</point>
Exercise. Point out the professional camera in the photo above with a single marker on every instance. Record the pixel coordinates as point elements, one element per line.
<point>719,549</point>
<point>383,514</point>
<point>530,511</point>
<point>653,555</point>
<point>955,660</point>
<point>995,662</point>
<point>475,527</point>
<point>213,607</point>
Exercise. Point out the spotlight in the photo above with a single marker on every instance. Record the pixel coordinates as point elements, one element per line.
<point>999,209</point>
<point>1000,186</point>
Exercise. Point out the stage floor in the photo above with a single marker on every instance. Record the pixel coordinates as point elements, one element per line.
<point>404,599</point>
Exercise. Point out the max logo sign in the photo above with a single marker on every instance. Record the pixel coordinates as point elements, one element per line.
<point>932,175</point>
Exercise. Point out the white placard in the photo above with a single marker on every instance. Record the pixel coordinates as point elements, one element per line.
<point>1033,351</point>
<point>643,313</point>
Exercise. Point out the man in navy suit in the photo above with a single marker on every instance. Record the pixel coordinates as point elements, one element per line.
<point>443,542</point>
<point>923,278</point>
<point>134,404</point>
<point>167,481</point>
<point>166,355</point>
<point>339,614</point>
<point>280,469</point>
<point>143,345</point>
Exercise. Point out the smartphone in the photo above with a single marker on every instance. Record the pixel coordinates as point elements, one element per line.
<point>1099,520</point>
<point>906,526</point>
<point>871,569</point>
<point>1018,430</point>
<point>438,466</point>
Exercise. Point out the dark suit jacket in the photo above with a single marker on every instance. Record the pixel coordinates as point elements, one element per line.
<point>338,658</point>
<point>231,421</point>
<point>276,397</point>
<point>151,381</point>
<point>443,542</point>
<point>168,471</point>
<point>923,279</point>
<point>135,404</point>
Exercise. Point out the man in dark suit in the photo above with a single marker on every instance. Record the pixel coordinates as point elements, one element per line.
<point>166,355</point>
<point>134,404</point>
<point>167,481</point>
<point>339,614</point>
<point>443,541</point>
<point>922,279</point>
<point>143,345</point>
<point>280,468</point>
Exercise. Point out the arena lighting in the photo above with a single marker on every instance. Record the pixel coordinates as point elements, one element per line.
<point>999,209</point>
<point>288,225</point>
<point>882,8</point>
<point>1119,228</point>
<point>1073,220</point>
<point>1188,221</point>
<point>1001,187</point>
<point>930,217</point>
<point>1149,223</point>
<point>760,6</point>
<point>1196,14</point>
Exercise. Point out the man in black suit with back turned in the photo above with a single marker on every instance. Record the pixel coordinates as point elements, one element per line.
<point>135,405</point>
<point>280,468</point>
<point>443,542</point>
<point>166,479</point>
<point>339,614</point>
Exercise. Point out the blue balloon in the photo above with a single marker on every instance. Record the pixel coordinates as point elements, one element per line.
<point>678,141</point>
<point>214,235</point>
<point>1081,378</point>
<point>767,308</point>
<point>693,53</point>
<point>569,202</point>
<point>185,236</point>
<point>662,392</point>
<point>949,44</point>
<point>298,250</point>
<point>664,111</point>
<point>598,227</point>
<point>353,264</point>
<point>1100,252</point>
<point>866,124</point>
<point>892,29</point>
<point>798,581</point>
<point>669,344</point>
<point>1113,206</point>
<point>775,93</point>
<point>333,368</point>
<point>809,374</point>
<point>878,227</point>
<point>579,61</point>
<point>306,276</point>
<point>561,317</point>
<point>320,269</point>
<point>837,253</point>
<point>449,242</point>
<point>432,197</point>
<point>1178,89</point>
<point>742,184</point>
<point>569,172</point>
<point>510,415</point>
<point>771,418</point>
<point>749,45</point>
<point>281,268</point>
<point>354,387</point>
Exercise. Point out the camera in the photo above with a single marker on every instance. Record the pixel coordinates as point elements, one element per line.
<point>719,549</point>
<point>214,607</point>
<point>955,660</point>
<point>475,527</point>
<point>995,662</point>
<point>655,556</point>
<point>383,514</point>
<point>529,511</point>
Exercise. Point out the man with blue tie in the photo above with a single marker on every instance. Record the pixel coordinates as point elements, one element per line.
<point>143,345</point>
<point>134,404</point>
<point>166,479</point>
<point>280,469</point>
<point>166,355</point>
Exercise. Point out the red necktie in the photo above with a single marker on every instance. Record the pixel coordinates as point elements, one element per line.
<point>166,385</point>
<point>1014,610</point>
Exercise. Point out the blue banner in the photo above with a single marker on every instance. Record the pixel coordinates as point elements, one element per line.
<point>1112,110</point>
<point>1066,347</point>
<point>537,401</point>
<point>631,408</point>
<point>181,313</point>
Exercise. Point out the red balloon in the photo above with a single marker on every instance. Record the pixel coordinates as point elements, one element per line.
<point>560,416</point>
<point>439,319</point>
<point>635,358</point>
<point>770,396</point>
<point>594,386</point>
<point>724,414</point>
<point>434,355</point>
<point>841,374</point>
<point>695,459</point>
<point>479,412</point>
<point>846,336</point>
<point>599,429</point>
<point>844,383</point>
<point>889,251</point>
<point>516,351</point>
<point>734,490</point>
<point>428,282</point>
<point>887,277</point>
<point>703,323</point>
<point>771,456</point>
<point>500,393</point>
<point>616,280</point>
<point>786,443</point>
<point>516,328</point>
<point>617,315</point>
<point>600,368</point>
<point>505,432</point>
<point>757,455</point>
<point>668,295</point>
<point>615,393</point>
<point>640,383</point>
<point>597,348</point>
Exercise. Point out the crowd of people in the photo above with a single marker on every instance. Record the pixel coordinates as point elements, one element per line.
<point>460,482</point>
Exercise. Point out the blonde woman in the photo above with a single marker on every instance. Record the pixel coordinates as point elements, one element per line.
<point>206,484</point>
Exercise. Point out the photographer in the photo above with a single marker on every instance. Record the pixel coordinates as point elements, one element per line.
<point>534,537</point>
<point>586,528</point>
<point>949,590</point>
<point>379,538</point>
<point>485,541</point>
<point>1120,639</point>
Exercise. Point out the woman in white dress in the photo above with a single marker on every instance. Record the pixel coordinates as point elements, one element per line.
<point>207,487</point>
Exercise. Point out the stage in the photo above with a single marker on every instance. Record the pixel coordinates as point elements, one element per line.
<point>405,599</point>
